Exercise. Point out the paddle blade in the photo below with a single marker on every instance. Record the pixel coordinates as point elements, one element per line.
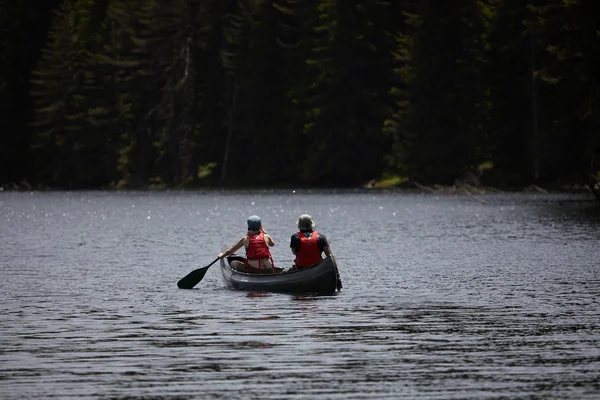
<point>192,279</point>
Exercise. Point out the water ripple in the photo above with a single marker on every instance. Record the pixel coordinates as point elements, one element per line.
<point>443,297</point>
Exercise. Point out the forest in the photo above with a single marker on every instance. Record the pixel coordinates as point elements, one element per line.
<point>320,93</point>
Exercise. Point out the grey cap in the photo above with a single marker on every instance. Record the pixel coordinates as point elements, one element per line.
<point>254,223</point>
<point>305,223</point>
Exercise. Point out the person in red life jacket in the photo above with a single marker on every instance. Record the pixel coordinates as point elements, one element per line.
<point>256,242</point>
<point>308,244</point>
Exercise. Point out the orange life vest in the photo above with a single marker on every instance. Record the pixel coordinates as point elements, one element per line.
<point>309,253</point>
<point>257,249</point>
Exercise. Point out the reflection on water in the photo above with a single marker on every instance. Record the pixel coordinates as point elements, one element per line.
<point>444,297</point>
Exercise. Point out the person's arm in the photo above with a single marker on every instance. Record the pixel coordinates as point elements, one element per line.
<point>294,242</point>
<point>268,239</point>
<point>233,248</point>
<point>324,245</point>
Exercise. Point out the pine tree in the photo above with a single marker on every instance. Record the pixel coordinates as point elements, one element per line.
<point>570,30</point>
<point>349,97</point>
<point>223,140</point>
<point>23,28</point>
<point>444,137</point>
<point>296,39</point>
<point>514,52</point>
<point>398,126</point>
<point>63,143</point>
<point>150,50</point>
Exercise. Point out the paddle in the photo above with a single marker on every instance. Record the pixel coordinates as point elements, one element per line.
<point>337,273</point>
<point>192,279</point>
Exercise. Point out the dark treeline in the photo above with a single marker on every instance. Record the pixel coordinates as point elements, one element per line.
<point>131,93</point>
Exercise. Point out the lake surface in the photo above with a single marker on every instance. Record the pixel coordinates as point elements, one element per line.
<point>445,297</point>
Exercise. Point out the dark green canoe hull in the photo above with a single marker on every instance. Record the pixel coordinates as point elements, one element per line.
<point>320,278</point>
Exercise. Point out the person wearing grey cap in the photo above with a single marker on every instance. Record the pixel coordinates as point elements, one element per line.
<point>307,244</point>
<point>256,242</point>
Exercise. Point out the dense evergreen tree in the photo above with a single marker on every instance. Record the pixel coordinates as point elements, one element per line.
<point>572,114</point>
<point>63,138</point>
<point>398,126</point>
<point>444,133</point>
<point>514,51</point>
<point>296,39</point>
<point>295,92</point>
<point>261,98</point>
<point>23,28</point>
<point>349,98</point>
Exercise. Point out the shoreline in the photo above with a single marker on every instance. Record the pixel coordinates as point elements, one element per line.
<point>372,186</point>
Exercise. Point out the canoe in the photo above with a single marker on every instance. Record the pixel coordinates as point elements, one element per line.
<point>319,278</point>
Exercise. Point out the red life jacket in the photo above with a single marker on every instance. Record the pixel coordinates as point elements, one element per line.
<point>257,249</point>
<point>309,253</point>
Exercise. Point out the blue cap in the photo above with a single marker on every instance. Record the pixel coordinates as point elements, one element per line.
<point>254,222</point>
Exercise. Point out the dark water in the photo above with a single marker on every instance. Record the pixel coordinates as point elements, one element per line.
<point>444,298</point>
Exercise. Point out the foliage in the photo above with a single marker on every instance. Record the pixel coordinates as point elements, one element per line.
<point>444,135</point>
<point>280,92</point>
